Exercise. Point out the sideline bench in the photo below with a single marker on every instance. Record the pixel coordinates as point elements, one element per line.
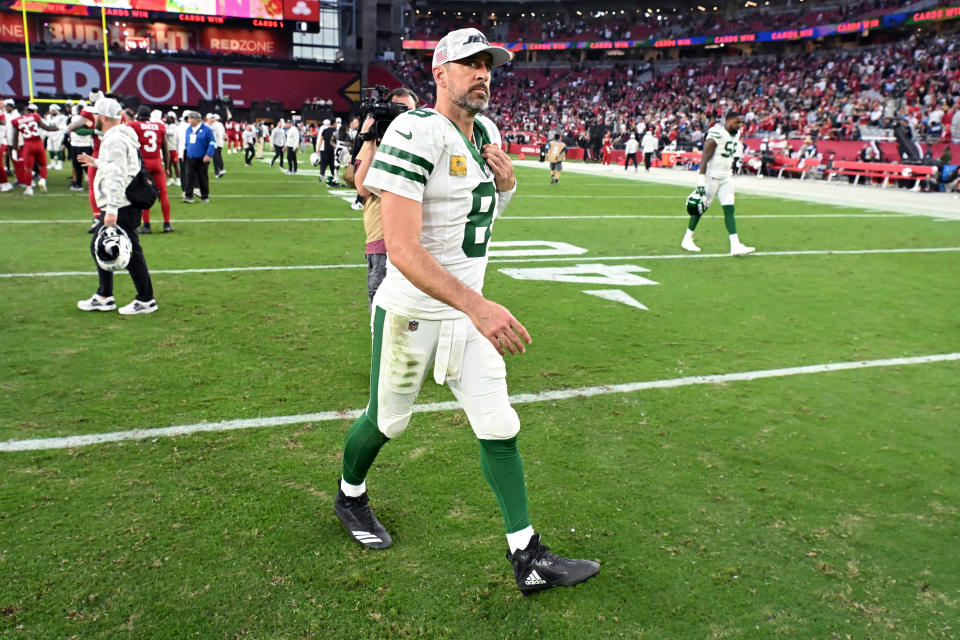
<point>793,165</point>
<point>885,170</point>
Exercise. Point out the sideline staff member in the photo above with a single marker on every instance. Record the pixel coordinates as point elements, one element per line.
<point>116,166</point>
<point>376,250</point>
<point>199,148</point>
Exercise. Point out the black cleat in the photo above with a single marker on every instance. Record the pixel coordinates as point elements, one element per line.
<point>145,229</point>
<point>537,569</point>
<point>359,521</point>
<point>93,227</point>
<point>167,228</point>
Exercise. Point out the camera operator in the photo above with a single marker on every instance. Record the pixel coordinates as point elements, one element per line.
<point>370,134</point>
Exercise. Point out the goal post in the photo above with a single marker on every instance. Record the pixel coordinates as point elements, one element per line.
<point>26,46</point>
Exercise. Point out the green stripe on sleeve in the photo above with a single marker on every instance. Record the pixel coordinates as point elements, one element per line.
<point>399,171</point>
<point>406,155</point>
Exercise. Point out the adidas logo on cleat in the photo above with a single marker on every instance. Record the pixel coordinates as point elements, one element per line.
<point>534,579</point>
<point>365,537</point>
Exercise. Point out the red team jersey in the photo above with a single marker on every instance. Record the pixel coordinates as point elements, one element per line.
<point>96,139</point>
<point>151,135</point>
<point>28,128</point>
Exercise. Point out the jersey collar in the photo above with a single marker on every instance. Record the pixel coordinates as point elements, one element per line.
<point>480,134</point>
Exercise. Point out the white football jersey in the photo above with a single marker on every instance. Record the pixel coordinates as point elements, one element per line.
<point>721,163</point>
<point>425,157</point>
<point>77,140</point>
<point>171,136</point>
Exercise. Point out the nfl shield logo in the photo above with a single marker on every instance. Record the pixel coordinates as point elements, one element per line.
<point>413,325</point>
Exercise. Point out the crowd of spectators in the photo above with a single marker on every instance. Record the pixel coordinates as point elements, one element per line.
<point>639,24</point>
<point>845,94</point>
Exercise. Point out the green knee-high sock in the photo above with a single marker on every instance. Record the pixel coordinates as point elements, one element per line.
<point>503,469</point>
<point>362,445</point>
<point>728,219</point>
<point>694,221</point>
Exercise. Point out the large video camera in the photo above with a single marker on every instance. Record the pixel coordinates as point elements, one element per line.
<point>375,105</point>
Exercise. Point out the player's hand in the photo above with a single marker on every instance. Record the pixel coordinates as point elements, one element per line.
<point>367,124</point>
<point>14,156</point>
<point>206,159</point>
<point>498,325</point>
<point>501,165</point>
<point>702,192</point>
<point>86,160</point>
<point>109,219</point>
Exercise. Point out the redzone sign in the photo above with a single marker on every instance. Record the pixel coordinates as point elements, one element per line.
<point>170,83</point>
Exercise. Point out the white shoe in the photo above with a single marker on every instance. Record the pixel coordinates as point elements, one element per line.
<point>28,191</point>
<point>136,307</point>
<point>689,245</point>
<point>169,181</point>
<point>97,303</point>
<point>741,250</point>
<point>42,185</point>
<point>6,186</point>
<point>356,206</point>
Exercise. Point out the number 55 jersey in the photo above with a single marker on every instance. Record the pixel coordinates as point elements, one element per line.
<point>425,157</point>
<point>721,163</point>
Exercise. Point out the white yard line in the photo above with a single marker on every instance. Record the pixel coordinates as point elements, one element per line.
<point>774,216</point>
<point>834,193</point>
<point>579,258</point>
<point>70,442</point>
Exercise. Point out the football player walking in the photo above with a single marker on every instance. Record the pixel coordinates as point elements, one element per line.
<point>443,179</point>
<point>716,180</point>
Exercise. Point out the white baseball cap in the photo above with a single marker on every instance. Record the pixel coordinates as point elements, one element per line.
<point>216,116</point>
<point>156,115</point>
<point>108,108</point>
<point>54,107</point>
<point>464,43</point>
<point>9,102</point>
<point>95,95</point>
<point>32,107</point>
<point>326,122</point>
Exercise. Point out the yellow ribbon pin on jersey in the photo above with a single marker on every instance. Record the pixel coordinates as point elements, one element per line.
<point>458,166</point>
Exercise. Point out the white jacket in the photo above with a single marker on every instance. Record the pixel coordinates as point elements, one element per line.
<point>117,164</point>
<point>219,133</point>
<point>292,139</point>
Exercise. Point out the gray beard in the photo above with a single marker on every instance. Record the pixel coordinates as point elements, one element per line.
<point>474,106</point>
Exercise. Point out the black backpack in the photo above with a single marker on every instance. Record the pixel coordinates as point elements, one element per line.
<point>142,192</point>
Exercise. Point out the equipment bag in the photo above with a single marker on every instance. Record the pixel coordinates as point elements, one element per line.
<point>142,192</point>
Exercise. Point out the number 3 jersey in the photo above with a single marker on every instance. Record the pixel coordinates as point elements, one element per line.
<point>721,163</point>
<point>151,136</point>
<point>425,157</point>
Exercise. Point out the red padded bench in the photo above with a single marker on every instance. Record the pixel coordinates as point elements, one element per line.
<point>887,171</point>
<point>793,165</point>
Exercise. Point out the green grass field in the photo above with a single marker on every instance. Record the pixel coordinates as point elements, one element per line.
<point>818,505</point>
